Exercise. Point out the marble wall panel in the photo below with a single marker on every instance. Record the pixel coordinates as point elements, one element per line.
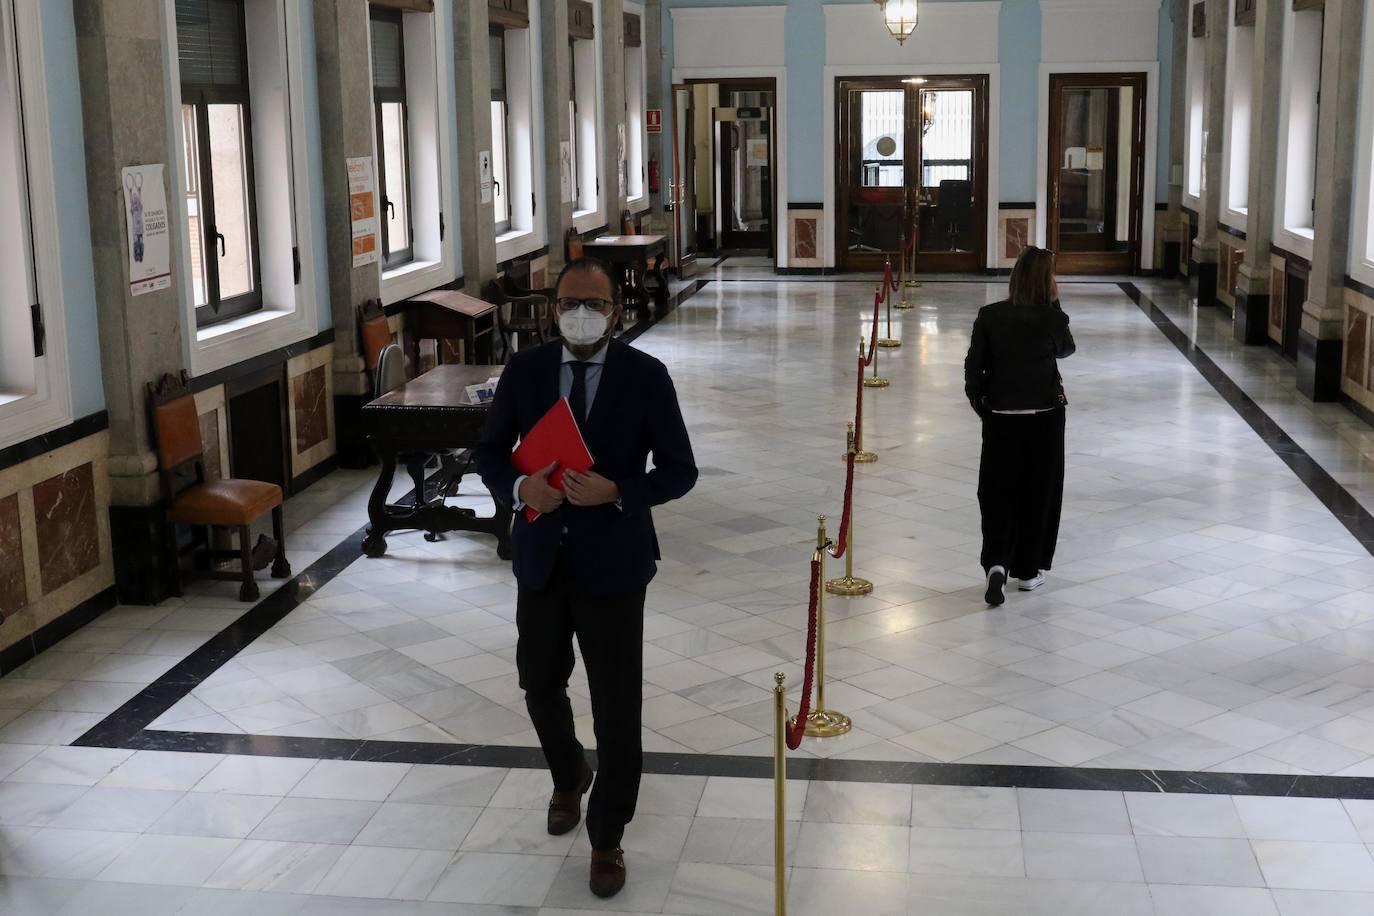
<point>13,591</point>
<point>65,516</point>
<point>312,425</point>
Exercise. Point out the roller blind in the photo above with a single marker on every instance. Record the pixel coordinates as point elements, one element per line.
<point>414,6</point>
<point>210,42</point>
<point>498,65</point>
<point>386,54</point>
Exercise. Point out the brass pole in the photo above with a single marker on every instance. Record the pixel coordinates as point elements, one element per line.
<point>888,342</point>
<point>874,381</point>
<point>779,796</point>
<point>850,585</point>
<point>822,722</point>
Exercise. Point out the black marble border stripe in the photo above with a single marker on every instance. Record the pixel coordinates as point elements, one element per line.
<point>1336,498</point>
<point>658,314</point>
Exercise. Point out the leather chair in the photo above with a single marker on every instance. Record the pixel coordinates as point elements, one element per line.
<point>575,249</point>
<point>518,311</point>
<point>229,503</point>
<point>955,209</point>
<point>375,333</point>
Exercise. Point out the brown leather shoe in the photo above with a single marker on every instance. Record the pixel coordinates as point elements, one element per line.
<point>565,808</point>
<point>608,872</point>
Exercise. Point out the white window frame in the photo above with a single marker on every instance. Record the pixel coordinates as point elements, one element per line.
<point>1235,163</point>
<point>1195,135</point>
<point>1362,238</point>
<point>1288,235</point>
<point>282,168</point>
<point>427,64</point>
<point>589,209</point>
<point>524,146</point>
<point>44,403</point>
<point>636,135</point>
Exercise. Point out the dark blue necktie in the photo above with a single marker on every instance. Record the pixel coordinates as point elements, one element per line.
<point>577,398</point>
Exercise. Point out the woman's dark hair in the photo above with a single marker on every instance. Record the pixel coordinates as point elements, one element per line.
<point>591,265</point>
<point>1032,279</point>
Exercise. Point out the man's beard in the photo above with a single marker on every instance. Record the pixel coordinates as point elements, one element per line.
<point>584,352</point>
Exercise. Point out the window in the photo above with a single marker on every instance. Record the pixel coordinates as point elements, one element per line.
<point>634,111</point>
<point>1239,89</point>
<point>500,132</point>
<point>1196,138</point>
<point>1302,60</point>
<point>393,133</point>
<point>1362,217</point>
<point>217,140</point>
<point>585,134</point>
<point>18,293</point>
<point>572,120</point>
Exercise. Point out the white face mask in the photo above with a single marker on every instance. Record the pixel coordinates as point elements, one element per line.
<point>583,327</point>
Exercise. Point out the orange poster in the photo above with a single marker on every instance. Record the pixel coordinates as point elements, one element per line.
<point>362,199</point>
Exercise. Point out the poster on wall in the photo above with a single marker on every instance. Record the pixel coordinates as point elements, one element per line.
<point>624,168</point>
<point>565,174</point>
<point>653,121</point>
<point>145,219</point>
<point>484,176</point>
<point>362,198</point>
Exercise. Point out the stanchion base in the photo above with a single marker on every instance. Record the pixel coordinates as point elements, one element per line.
<point>913,284</point>
<point>826,723</point>
<point>889,343</point>
<point>879,382</point>
<point>864,457</point>
<point>903,305</point>
<point>848,586</point>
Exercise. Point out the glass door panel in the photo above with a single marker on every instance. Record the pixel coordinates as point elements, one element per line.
<point>946,189</point>
<point>745,144</point>
<point>877,175</point>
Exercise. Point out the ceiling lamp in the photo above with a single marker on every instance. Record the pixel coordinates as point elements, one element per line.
<point>900,18</point>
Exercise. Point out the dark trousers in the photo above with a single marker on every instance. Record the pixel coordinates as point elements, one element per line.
<point>610,633</point>
<point>1021,490</point>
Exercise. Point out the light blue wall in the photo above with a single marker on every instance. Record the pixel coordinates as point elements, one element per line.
<point>315,178</point>
<point>1018,38</point>
<point>73,209</point>
<point>804,34</point>
<point>1166,81</point>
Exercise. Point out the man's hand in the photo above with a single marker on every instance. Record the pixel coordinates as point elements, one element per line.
<point>535,491</point>
<point>590,489</point>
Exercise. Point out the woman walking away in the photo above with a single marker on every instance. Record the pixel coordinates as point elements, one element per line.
<point>1012,381</point>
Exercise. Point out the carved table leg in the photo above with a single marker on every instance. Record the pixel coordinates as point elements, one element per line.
<point>374,545</point>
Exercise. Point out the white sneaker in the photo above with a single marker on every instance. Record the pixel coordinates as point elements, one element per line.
<point>1030,585</point>
<point>997,587</point>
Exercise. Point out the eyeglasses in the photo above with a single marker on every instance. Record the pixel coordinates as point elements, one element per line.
<point>600,306</point>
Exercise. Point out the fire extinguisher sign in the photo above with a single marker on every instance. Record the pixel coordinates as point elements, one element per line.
<point>653,120</point>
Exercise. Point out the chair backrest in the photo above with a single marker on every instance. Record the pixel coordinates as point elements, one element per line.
<point>575,249</point>
<point>627,224</point>
<point>391,369</point>
<point>956,198</point>
<point>375,332</point>
<point>176,427</point>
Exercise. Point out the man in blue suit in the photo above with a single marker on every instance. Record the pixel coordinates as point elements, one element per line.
<point>583,565</point>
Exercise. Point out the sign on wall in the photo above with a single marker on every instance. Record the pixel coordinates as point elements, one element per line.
<point>145,219</point>
<point>362,199</point>
<point>653,120</point>
<point>484,176</point>
<point>565,173</point>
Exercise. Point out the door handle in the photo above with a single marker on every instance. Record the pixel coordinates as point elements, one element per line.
<point>219,236</point>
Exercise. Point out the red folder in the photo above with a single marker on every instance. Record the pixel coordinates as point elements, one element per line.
<point>554,439</point>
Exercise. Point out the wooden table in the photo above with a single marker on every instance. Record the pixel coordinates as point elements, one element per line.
<point>427,415</point>
<point>447,314</point>
<point>634,251</point>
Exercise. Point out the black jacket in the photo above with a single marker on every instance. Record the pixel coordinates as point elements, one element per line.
<point>1011,358</point>
<point>635,413</point>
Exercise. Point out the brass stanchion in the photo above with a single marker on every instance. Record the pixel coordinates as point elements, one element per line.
<point>872,381</point>
<point>889,342</point>
<point>849,585</point>
<point>903,304</point>
<point>779,796</point>
<point>822,722</point>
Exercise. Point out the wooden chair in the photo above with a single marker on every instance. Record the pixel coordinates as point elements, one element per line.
<point>575,249</point>
<point>518,311</point>
<point>233,504</point>
<point>375,333</point>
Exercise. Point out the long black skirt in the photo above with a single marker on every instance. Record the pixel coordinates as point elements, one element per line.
<point>1021,490</point>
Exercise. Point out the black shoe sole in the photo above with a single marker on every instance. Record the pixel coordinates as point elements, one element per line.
<point>997,589</point>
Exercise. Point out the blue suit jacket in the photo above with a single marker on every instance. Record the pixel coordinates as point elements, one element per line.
<point>611,550</point>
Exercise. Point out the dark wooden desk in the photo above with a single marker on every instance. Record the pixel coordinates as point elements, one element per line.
<point>447,314</point>
<point>428,414</point>
<point>634,251</point>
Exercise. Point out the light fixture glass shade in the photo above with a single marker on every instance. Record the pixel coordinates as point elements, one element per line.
<point>900,18</point>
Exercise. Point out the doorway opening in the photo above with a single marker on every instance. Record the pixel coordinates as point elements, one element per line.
<point>1096,172</point>
<point>912,164</point>
<point>724,189</point>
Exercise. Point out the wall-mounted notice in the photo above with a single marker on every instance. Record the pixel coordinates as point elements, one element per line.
<point>653,121</point>
<point>362,199</point>
<point>565,174</point>
<point>145,219</point>
<point>484,176</point>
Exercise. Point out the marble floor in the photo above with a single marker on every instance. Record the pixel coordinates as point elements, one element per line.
<point>1207,616</point>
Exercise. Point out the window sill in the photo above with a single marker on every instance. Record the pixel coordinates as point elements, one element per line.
<point>243,338</point>
<point>515,243</point>
<point>584,220</point>
<point>407,280</point>
<point>236,325</point>
<point>1302,232</point>
<point>638,204</point>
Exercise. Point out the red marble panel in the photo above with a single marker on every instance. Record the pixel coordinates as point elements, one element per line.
<point>209,443</point>
<point>804,239</point>
<point>1018,230</point>
<point>13,592</point>
<point>68,543</point>
<point>312,417</point>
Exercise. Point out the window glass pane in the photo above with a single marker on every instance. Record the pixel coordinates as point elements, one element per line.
<point>572,149</point>
<point>882,139</point>
<point>394,181</point>
<point>498,162</point>
<point>498,65</point>
<point>387,70</point>
<point>210,42</point>
<point>195,208</point>
<point>233,220</point>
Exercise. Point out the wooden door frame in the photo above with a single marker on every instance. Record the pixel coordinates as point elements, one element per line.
<point>980,84</point>
<point>1084,261</point>
<point>755,84</point>
<point>680,260</point>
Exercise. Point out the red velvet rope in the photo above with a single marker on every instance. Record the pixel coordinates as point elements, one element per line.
<point>873,342</point>
<point>848,507</point>
<point>796,729</point>
<point>859,407</point>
